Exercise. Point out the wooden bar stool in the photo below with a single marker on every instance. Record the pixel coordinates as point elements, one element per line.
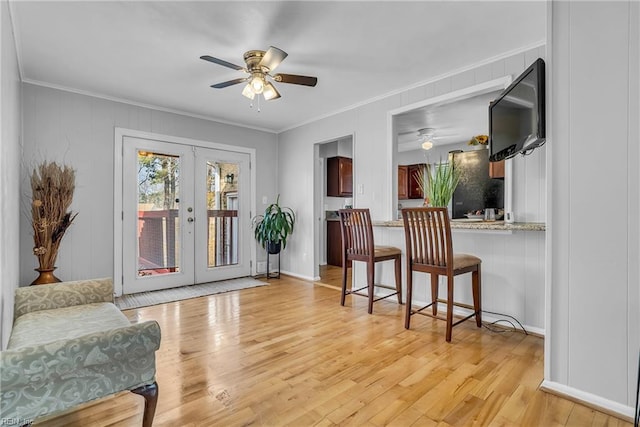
<point>430,250</point>
<point>358,245</point>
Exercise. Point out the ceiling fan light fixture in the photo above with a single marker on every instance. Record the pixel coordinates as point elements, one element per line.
<point>259,66</point>
<point>270,92</point>
<point>248,91</point>
<point>257,83</point>
<point>425,135</point>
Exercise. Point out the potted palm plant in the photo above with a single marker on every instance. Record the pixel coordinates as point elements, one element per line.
<point>274,226</point>
<point>438,185</point>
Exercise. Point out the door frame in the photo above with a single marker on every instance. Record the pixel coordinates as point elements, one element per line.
<point>119,135</point>
<point>319,191</point>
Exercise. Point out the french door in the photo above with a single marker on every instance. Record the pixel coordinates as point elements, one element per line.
<point>185,215</point>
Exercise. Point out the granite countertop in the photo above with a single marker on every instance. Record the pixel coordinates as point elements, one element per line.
<point>477,225</point>
<point>331,216</point>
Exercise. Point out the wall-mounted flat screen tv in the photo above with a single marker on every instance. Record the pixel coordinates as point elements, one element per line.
<point>516,117</point>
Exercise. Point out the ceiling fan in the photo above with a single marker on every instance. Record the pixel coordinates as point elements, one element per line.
<point>426,137</point>
<point>259,66</point>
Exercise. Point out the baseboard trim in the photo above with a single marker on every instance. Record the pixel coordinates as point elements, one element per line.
<point>300,276</point>
<point>598,403</point>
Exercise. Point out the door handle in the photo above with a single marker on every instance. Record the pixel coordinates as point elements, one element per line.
<point>189,219</point>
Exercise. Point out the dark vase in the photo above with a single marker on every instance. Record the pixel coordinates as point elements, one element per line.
<point>274,247</point>
<point>46,277</point>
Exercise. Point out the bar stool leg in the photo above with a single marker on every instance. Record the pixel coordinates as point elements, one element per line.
<point>477,296</point>
<point>399,279</point>
<point>344,281</point>
<point>370,281</point>
<point>407,316</point>
<point>449,307</point>
<point>434,293</point>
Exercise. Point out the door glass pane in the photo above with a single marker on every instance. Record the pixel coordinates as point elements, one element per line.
<point>222,213</point>
<point>158,217</point>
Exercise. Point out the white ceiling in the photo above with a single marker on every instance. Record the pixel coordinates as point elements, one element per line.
<point>148,52</point>
<point>452,122</point>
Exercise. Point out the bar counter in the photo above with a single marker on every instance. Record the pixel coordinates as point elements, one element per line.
<point>463,224</point>
<point>513,267</point>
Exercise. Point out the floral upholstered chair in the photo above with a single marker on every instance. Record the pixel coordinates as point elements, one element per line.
<point>70,344</point>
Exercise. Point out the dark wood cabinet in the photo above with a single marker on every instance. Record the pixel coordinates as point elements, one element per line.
<point>408,187</point>
<point>339,177</point>
<point>403,183</point>
<point>496,169</point>
<point>334,244</point>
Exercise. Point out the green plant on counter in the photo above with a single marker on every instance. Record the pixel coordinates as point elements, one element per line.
<point>438,182</point>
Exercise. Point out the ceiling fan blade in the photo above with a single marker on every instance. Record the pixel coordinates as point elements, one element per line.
<point>272,58</point>
<point>221,62</point>
<point>296,80</point>
<point>229,83</point>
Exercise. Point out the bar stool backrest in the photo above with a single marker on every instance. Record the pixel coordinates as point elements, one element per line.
<point>428,237</point>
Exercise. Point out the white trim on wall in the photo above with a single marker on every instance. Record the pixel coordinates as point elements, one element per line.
<point>591,400</point>
<point>143,105</point>
<point>119,134</point>
<point>422,83</point>
<point>548,249</point>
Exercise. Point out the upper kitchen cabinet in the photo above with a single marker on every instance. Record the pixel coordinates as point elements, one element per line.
<point>408,187</point>
<point>403,192</point>
<point>339,177</point>
<point>496,169</point>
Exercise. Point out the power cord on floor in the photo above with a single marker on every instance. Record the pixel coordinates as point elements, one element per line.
<point>636,419</point>
<point>496,330</point>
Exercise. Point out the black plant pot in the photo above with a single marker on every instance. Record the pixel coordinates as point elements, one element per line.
<point>274,247</point>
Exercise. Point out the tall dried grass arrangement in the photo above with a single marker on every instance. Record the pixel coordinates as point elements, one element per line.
<point>52,188</point>
<point>438,185</point>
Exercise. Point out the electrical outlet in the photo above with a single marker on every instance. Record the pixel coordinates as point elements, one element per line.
<point>261,267</point>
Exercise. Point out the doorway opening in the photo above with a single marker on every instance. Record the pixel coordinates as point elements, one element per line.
<point>333,189</point>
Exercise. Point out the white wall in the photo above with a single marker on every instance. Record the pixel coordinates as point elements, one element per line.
<point>10,126</point>
<point>371,166</point>
<point>593,283</point>
<point>79,130</point>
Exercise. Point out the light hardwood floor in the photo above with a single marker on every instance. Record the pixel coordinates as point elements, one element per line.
<point>289,354</point>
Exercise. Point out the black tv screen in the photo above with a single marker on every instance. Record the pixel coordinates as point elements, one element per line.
<point>516,117</point>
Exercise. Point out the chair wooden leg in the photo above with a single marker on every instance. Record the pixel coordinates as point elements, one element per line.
<point>449,307</point>
<point>434,293</point>
<point>399,279</point>
<point>477,295</point>
<point>344,281</point>
<point>370,280</point>
<point>407,316</point>
<point>150,394</point>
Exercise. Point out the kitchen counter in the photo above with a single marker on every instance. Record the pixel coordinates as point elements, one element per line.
<point>331,216</point>
<point>464,224</point>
